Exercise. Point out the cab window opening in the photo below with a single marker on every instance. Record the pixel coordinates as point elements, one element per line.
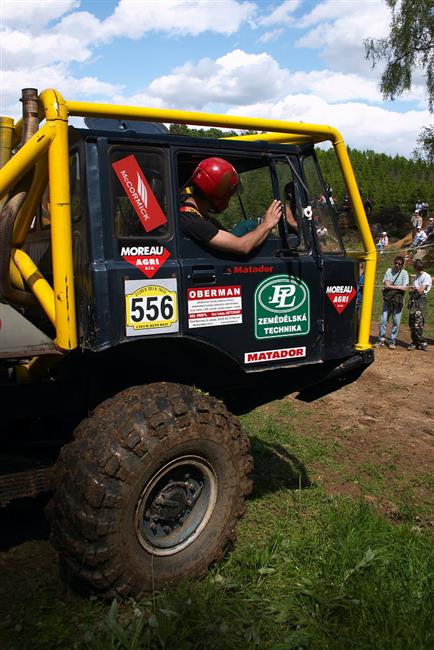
<point>126,220</point>
<point>246,211</point>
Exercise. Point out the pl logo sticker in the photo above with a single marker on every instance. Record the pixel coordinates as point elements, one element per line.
<point>340,296</point>
<point>148,259</point>
<point>139,192</point>
<point>282,307</point>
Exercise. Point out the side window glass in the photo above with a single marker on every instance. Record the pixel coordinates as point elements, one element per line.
<point>322,211</point>
<point>290,194</point>
<point>139,194</point>
<point>255,198</point>
<point>74,181</point>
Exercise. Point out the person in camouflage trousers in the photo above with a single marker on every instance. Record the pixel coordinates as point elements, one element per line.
<point>418,306</point>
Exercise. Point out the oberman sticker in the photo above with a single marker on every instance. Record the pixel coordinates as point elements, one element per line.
<point>274,355</point>
<point>281,307</point>
<point>151,307</point>
<point>214,306</point>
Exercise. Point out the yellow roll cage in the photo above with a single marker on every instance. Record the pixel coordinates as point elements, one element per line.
<point>59,301</point>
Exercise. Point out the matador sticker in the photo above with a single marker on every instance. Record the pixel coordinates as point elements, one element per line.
<point>151,307</point>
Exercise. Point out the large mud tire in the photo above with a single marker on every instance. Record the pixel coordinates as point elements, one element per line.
<point>149,444</point>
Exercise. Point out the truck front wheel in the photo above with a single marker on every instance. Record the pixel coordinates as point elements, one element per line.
<point>150,489</point>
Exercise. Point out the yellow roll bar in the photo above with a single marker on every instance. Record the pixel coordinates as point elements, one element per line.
<point>54,138</point>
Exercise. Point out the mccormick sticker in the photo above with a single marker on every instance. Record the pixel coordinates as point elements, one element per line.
<point>282,307</point>
<point>139,192</point>
<point>148,259</point>
<point>210,307</point>
<point>151,307</point>
<point>340,296</point>
<point>274,355</point>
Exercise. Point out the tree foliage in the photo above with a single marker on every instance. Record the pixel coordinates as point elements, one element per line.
<point>425,150</point>
<point>409,45</point>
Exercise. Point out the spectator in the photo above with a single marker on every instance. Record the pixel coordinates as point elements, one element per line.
<point>382,242</point>
<point>322,235</point>
<point>395,283</point>
<point>419,237</point>
<point>368,206</point>
<point>416,221</point>
<point>418,307</point>
<point>429,230</point>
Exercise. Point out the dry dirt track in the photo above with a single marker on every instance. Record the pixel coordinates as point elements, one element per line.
<point>388,419</point>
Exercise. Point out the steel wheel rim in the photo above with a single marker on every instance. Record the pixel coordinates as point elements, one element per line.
<point>176,505</point>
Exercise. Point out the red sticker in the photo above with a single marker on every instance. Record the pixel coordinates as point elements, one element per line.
<point>340,296</point>
<point>148,259</point>
<point>139,192</point>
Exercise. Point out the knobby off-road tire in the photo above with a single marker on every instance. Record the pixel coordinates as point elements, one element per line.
<point>150,489</point>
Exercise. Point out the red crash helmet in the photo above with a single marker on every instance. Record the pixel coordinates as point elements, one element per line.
<point>217,180</point>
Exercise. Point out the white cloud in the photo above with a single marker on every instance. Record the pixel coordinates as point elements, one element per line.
<point>362,126</point>
<point>335,86</point>
<point>176,17</point>
<point>55,76</point>
<point>33,14</point>
<point>237,77</point>
<point>22,49</point>
<point>281,15</point>
<point>267,37</point>
<point>339,28</point>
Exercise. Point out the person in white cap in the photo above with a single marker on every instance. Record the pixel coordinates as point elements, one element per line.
<point>416,220</point>
<point>382,242</point>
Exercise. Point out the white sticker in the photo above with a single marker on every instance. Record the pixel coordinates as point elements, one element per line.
<point>151,306</point>
<point>214,306</point>
<point>274,355</point>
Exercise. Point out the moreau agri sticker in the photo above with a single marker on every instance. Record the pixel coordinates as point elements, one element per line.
<point>148,259</point>
<point>340,296</point>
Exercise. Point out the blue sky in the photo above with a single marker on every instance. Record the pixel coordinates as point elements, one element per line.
<point>300,60</point>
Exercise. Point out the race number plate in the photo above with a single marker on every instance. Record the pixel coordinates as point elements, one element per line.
<point>151,307</point>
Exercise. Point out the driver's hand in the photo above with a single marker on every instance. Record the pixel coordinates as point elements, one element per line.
<point>273,214</point>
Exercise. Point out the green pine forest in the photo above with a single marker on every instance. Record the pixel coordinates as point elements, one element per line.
<point>394,183</point>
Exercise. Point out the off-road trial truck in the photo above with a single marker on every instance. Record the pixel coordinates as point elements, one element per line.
<point>117,325</point>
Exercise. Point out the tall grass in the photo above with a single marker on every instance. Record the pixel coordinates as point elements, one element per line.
<point>331,575</point>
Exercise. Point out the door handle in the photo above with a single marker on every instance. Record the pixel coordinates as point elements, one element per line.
<point>203,275</point>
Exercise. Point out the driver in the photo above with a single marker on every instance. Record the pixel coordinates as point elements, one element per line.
<point>213,183</point>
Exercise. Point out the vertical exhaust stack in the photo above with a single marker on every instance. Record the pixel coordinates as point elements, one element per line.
<point>30,101</point>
